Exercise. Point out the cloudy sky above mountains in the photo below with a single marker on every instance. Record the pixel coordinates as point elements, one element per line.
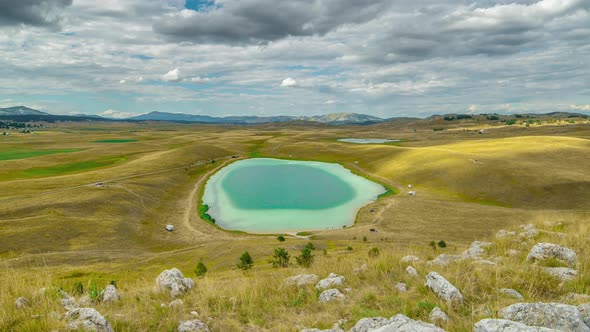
<point>298,57</point>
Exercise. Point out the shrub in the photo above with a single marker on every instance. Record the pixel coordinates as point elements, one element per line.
<point>374,252</point>
<point>442,244</point>
<point>310,246</point>
<point>246,261</point>
<point>203,209</point>
<point>281,238</point>
<point>364,239</point>
<point>349,248</point>
<point>306,258</point>
<point>280,258</point>
<point>201,269</point>
<point>433,244</point>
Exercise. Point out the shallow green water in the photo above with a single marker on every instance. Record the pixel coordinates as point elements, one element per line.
<point>264,195</point>
<point>367,140</point>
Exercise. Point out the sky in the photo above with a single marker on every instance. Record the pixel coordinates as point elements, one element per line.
<point>387,58</point>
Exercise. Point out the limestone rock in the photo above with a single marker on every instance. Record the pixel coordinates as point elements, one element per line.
<point>401,287</point>
<point>512,293</point>
<point>194,325</point>
<point>173,281</point>
<point>401,323</point>
<point>512,252</point>
<point>561,273</point>
<point>110,294</point>
<point>330,295</point>
<point>412,271</point>
<point>558,316</point>
<point>443,288</point>
<point>84,301</point>
<point>410,259</point>
<point>528,231</point>
<point>504,234</point>
<point>331,281</point>
<point>438,316</point>
<point>301,280</point>
<point>67,301</point>
<point>543,251</point>
<point>87,319</point>
<point>476,250</point>
<point>360,269</point>
<point>21,302</point>
<point>584,310</point>
<point>443,260</point>
<point>369,324</point>
<point>502,325</point>
<point>333,329</point>
<point>176,303</point>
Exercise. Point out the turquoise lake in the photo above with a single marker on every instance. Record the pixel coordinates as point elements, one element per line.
<point>367,140</point>
<point>270,195</point>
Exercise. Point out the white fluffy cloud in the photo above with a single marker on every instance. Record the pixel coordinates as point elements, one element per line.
<point>116,114</point>
<point>581,107</point>
<point>289,82</point>
<point>172,76</point>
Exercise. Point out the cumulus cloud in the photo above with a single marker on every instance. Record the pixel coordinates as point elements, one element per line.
<point>472,108</point>
<point>200,80</point>
<point>116,114</point>
<point>580,107</point>
<point>172,76</point>
<point>255,21</point>
<point>289,82</point>
<point>32,12</point>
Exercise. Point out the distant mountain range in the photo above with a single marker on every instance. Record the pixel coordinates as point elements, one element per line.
<point>24,113</point>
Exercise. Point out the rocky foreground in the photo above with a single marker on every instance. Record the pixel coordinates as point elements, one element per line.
<point>553,259</point>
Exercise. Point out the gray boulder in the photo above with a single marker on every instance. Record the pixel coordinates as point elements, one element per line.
<point>543,251</point>
<point>443,260</point>
<point>333,329</point>
<point>176,303</point>
<point>110,294</point>
<point>401,287</point>
<point>67,301</point>
<point>443,288</point>
<point>401,323</point>
<point>504,234</point>
<point>438,316</point>
<point>584,310</point>
<point>369,324</point>
<point>194,325</point>
<point>410,259</point>
<point>476,250</point>
<point>558,316</point>
<point>412,271</point>
<point>87,319</point>
<point>21,302</point>
<point>528,231</point>
<point>330,295</point>
<point>331,281</point>
<point>173,281</point>
<point>561,273</point>
<point>301,280</point>
<point>502,325</point>
<point>512,293</point>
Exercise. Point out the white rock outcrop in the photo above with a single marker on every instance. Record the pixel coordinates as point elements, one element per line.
<point>176,303</point>
<point>331,281</point>
<point>438,316</point>
<point>401,323</point>
<point>528,231</point>
<point>584,310</point>
<point>174,282</point>
<point>561,273</point>
<point>401,287</point>
<point>476,250</point>
<point>193,325</point>
<point>558,316</point>
<point>87,319</point>
<point>369,324</point>
<point>410,259</point>
<point>504,234</point>
<point>21,302</point>
<point>503,325</point>
<point>544,251</point>
<point>410,270</point>
<point>443,288</point>
<point>301,280</point>
<point>330,295</point>
<point>110,294</point>
<point>443,260</point>
<point>512,293</point>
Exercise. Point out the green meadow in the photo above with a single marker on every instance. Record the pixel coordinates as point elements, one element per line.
<point>24,154</point>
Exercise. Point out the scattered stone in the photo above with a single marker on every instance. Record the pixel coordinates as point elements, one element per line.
<point>194,325</point>
<point>301,280</point>
<point>544,251</point>
<point>502,325</point>
<point>438,316</point>
<point>476,250</point>
<point>443,260</point>
<point>21,302</point>
<point>194,313</point>
<point>512,252</point>
<point>330,295</point>
<point>561,273</point>
<point>67,301</point>
<point>110,294</point>
<point>402,323</point>
<point>412,271</point>
<point>410,259</point>
<point>562,317</point>
<point>504,234</point>
<point>360,269</point>
<point>443,289</point>
<point>331,281</point>
<point>401,287</point>
<point>173,281</point>
<point>87,319</point>
<point>512,293</point>
<point>176,303</point>
<point>369,324</point>
<point>528,231</point>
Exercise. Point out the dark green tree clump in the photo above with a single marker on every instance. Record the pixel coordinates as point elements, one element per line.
<point>246,261</point>
<point>374,252</point>
<point>281,238</point>
<point>280,258</point>
<point>306,258</point>
<point>201,269</point>
<point>442,244</point>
